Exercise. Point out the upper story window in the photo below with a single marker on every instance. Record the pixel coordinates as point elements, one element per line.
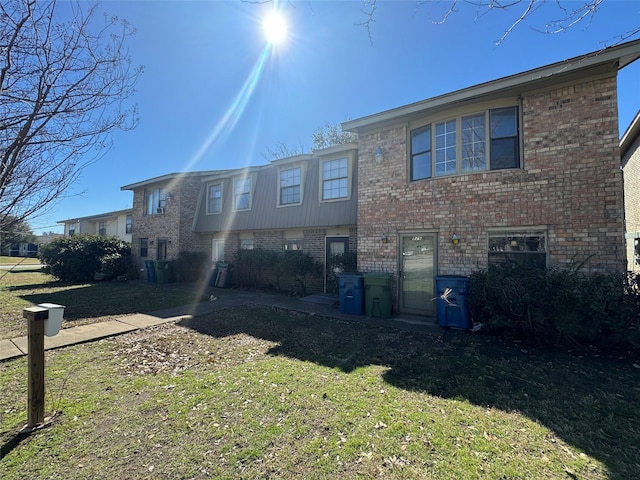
<point>522,247</point>
<point>487,140</point>
<point>214,198</point>
<point>102,228</point>
<point>242,193</point>
<point>335,179</point>
<point>128,225</point>
<point>72,229</point>
<point>290,181</point>
<point>156,201</point>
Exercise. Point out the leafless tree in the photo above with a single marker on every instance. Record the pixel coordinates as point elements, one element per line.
<point>570,13</point>
<point>65,78</point>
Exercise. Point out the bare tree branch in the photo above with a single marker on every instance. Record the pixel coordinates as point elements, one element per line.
<point>64,87</point>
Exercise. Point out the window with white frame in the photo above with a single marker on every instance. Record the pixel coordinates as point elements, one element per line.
<point>214,198</point>
<point>487,140</point>
<point>518,246</point>
<point>102,228</point>
<point>246,244</point>
<point>290,180</point>
<point>335,179</point>
<point>242,193</point>
<point>72,229</point>
<point>128,224</point>
<point>156,201</point>
<point>292,244</point>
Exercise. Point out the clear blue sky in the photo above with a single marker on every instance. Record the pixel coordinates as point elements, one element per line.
<point>207,103</point>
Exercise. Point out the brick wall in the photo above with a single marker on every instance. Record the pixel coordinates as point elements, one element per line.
<point>632,199</point>
<point>570,182</point>
<point>175,225</point>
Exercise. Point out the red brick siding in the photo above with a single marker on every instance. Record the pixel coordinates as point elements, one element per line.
<point>570,182</point>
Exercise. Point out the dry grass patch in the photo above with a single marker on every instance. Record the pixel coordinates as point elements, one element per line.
<point>255,392</point>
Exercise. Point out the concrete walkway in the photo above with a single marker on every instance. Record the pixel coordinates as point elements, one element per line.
<point>321,305</point>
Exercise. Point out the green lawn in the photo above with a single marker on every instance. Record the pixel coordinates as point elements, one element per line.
<point>84,303</point>
<point>256,392</point>
<point>21,260</point>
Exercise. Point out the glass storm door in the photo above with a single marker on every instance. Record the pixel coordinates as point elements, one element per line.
<point>417,268</point>
<point>334,246</point>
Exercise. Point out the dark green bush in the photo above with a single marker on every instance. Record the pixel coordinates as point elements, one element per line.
<point>557,306</point>
<point>255,268</point>
<point>260,268</point>
<point>301,267</point>
<point>79,258</point>
<point>191,266</point>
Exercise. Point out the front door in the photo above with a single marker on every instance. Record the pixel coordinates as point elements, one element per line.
<point>418,256</point>
<point>333,246</point>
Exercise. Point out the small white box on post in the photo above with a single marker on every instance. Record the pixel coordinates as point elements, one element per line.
<point>54,322</point>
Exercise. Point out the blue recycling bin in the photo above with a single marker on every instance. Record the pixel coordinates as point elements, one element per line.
<point>453,310</point>
<point>351,293</point>
<point>151,271</point>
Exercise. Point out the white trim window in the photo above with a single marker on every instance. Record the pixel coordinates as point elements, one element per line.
<point>128,224</point>
<point>524,247</point>
<point>335,179</point>
<point>488,140</point>
<point>156,201</point>
<point>242,193</point>
<point>293,244</point>
<point>246,244</point>
<point>290,186</point>
<point>214,198</point>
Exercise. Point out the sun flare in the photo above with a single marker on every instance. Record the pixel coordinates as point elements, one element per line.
<point>275,28</point>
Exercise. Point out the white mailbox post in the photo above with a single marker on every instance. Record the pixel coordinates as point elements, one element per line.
<point>44,319</point>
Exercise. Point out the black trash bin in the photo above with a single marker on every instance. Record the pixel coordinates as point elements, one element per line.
<point>212,274</point>
<point>223,277</point>
<point>453,310</point>
<point>351,292</point>
<point>151,271</point>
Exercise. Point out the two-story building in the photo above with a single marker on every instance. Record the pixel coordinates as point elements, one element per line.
<point>523,168</point>
<point>306,202</point>
<point>112,224</point>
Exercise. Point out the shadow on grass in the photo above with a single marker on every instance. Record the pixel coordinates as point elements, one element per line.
<point>592,404</point>
<point>110,298</point>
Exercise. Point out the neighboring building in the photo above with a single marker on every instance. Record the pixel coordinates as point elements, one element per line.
<point>113,224</point>
<point>23,249</point>
<point>630,151</point>
<point>306,202</point>
<point>523,168</point>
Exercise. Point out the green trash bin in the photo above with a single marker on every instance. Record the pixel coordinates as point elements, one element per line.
<point>163,271</point>
<point>377,295</point>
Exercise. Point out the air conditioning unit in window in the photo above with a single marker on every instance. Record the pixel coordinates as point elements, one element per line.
<point>160,210</point>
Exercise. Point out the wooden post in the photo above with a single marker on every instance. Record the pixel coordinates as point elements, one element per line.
<point>35,331</point>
